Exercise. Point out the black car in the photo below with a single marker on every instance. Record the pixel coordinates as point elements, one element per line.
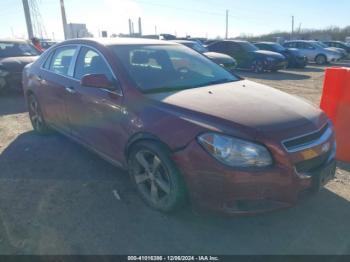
<point>14,56</point>
<point>293,55</point>
<point>248,56</point>
<point>338,44</point>
<point>225,61</point>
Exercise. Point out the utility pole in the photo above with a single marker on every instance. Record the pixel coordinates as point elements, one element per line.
<point>226,35</point>
<point>140,27</point>
<point>130,30</point>
<point>291,38</point>
<point>64,20</point>
<point>28,19</point>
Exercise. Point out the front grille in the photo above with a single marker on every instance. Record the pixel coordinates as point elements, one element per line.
<point>308,166</point>
<point>300,142</point>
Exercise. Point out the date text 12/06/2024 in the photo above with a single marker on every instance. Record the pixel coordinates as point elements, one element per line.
<point>173,258</point>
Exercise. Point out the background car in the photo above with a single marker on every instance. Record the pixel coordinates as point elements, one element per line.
<point>181,124</point>
<point>314,52</point>
<point>14,56</point>
<point>46,44</point>
<point>249,56</point>
<point>342,51</point>
<point>293,56</point>
<point>339,44</point>
<point>226,61</point>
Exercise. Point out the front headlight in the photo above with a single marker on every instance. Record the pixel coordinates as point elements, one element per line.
<point>3,73</point>
<point>235,152</point>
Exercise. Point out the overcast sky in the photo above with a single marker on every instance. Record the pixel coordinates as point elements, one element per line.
<point>192,17</point>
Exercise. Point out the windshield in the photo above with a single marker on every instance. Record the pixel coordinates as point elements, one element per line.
<point>197,47</point>
<point>321,44</point>
<point>278,47</point>
<point>13,49</point>
<point>248,46</point>
<point>161,68</point>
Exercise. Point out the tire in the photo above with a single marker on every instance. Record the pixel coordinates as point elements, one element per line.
<point>258,67</point>
<point>162,186</point>
<point>321,59</point>
<point>36,117</point>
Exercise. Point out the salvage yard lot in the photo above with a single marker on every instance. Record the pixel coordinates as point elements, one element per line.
<point>58,198</point>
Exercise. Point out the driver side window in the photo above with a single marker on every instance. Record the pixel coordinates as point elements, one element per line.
<point>91,62</point>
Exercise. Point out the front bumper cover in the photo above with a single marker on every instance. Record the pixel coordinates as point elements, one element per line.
<point>216,187</point>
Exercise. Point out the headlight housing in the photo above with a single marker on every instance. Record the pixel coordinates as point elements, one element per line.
<point>235,152</point>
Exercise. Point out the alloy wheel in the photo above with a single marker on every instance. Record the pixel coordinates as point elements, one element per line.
<point>151,177</point>
<point>35,114</point>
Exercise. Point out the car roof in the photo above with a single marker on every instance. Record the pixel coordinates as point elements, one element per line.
<point>9,40</point>
<point>231,41</point>
<point>184,41</point>
<point>119,41</point>
<point>267,43</point>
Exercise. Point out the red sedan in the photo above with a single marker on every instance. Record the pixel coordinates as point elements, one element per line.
<point>184,127</point>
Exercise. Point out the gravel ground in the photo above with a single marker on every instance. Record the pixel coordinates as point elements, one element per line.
<point>58,198</point>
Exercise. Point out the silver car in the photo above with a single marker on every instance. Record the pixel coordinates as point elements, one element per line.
<point>314,51</point>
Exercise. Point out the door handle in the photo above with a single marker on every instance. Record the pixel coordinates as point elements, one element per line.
<point>70,90</point>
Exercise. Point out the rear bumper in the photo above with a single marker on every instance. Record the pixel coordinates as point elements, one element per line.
<point>298,62</point>
<point>216,187</point>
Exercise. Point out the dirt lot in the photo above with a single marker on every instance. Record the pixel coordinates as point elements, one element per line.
<point>57,198</point>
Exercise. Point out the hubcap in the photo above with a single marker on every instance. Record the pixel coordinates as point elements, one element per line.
<point>151,176</point>
<point>35,115</point>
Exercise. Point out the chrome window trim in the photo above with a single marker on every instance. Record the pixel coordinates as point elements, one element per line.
<point>326,135</point>
<point>71,69</point>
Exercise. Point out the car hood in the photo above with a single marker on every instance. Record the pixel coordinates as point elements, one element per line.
<point>221,58</point>
<point>259,108</point>
<point>341,50</point>
<point>16,64</point>
<point>268,53</point>
<point>332,50</point>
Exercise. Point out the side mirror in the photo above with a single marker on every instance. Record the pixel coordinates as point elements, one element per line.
<point>96,80</point>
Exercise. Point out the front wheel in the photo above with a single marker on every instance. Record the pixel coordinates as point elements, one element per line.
<point>321,60</point>
<point>156,177</point>
<point>36,117</point>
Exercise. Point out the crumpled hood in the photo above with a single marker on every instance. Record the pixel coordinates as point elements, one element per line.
<point>16,64</point>
<point>220,58</point>
<point>244,103</point>
<point>269,53</point>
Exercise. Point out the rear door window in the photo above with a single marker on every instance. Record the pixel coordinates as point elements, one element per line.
<point>62,59</point>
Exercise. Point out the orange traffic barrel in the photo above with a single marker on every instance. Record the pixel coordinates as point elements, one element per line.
<point>335,103</point>
<point>333,88</point>
<point>342,126</point>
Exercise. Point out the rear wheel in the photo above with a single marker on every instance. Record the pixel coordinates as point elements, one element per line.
<point>36,117</point>
<point>321,60</point>
<point>258,67</point>
<point>156,177</point>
